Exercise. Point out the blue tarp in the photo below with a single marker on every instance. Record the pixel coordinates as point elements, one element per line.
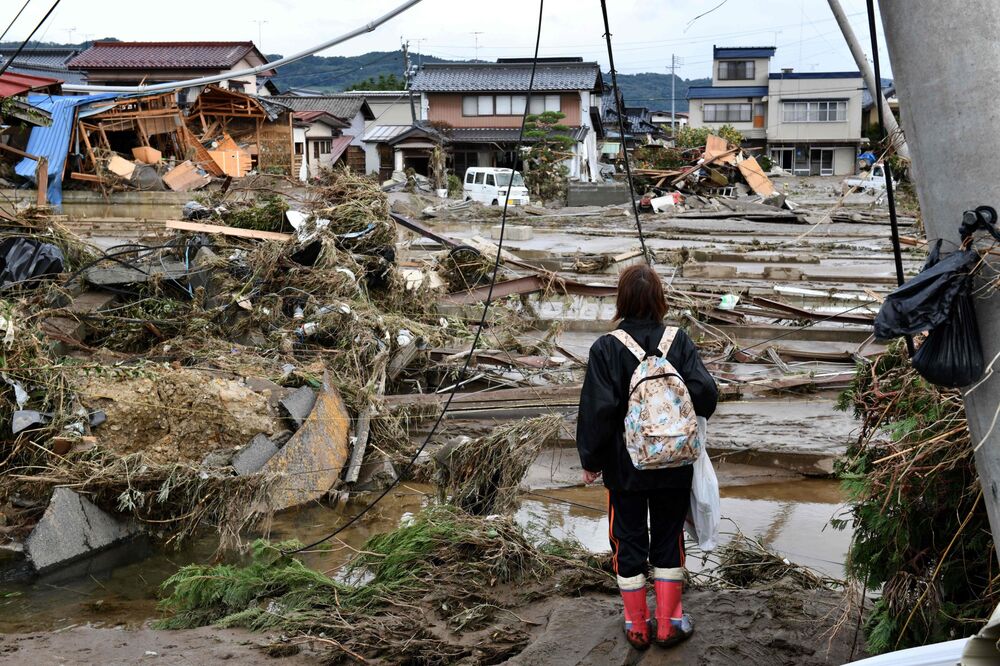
<point>52,142</point>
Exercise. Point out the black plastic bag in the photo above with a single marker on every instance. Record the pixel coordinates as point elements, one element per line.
<point>927,300</point>
<point>952,354</point>
<point>23,260</point>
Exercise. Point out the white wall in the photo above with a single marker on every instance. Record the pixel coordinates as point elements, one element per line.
<point>818,89</point>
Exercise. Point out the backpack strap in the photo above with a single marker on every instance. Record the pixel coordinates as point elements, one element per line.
<point>629,342</point>
<point>669,333</point>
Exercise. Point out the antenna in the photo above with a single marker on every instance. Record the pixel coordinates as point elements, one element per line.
<point>476,35</point>
<point>674,62</point>
<point>260,42</point>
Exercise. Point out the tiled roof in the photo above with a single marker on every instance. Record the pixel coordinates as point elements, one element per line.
<point>39,57</point>
<point>725,92</point>
<point>492,77</point>
<point>61,73</point>
<point>319,116</point>
<point>815,75</point>
<point>866,97</point>
<point>342,106</point>
<point>743,51</point>
<point>501,135</point>
<point>164,55</point>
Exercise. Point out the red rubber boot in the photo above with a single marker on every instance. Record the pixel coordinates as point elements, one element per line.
<point>672,624</point>
<point>637,629</point>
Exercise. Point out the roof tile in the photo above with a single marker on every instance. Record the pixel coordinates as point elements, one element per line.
<point>489,77</point>
<point>162,55</point>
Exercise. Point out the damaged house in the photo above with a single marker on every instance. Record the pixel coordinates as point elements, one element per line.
<point>477,108</point>
<point>808,122</point>
<point>327,143</point>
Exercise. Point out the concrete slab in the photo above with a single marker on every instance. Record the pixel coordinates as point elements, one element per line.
<point>299,404</point>
<point>73,528</point>
<point>252,457</point>
<point>311,461</point>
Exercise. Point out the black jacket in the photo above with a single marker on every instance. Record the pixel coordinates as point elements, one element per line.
<point>600,428</point>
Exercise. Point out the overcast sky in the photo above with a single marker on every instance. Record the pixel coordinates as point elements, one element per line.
<point>645,32</point>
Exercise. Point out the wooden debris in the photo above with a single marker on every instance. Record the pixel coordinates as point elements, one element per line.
<point>185,177</point>
<point>121,167</point>
<point>146,154</point>
<point>226,231</point>
<point>755,177</point>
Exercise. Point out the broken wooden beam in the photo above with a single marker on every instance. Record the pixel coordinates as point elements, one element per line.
<point>179,225</point>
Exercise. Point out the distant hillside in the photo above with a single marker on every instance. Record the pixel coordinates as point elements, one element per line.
<point>335,73</point>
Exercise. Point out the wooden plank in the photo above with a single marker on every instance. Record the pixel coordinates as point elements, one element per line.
<point>89,177</point>
<point>185,177</point>
<point>716,148</point>
<point>179,225</point>
<point>201,156</point>
<point>42,179</point>
<point>755,177</point>
<point>86,143</point>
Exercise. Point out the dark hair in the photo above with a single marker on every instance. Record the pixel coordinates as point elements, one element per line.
<point>640,294</point>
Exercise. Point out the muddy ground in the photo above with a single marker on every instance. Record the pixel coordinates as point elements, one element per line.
<point>750,627</point>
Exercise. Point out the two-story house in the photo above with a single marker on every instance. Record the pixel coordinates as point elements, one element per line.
<point>478,108</point>
<point>132,63</point>
<point>814,121</point>
<point>738,94</point>
<point>809,122</point>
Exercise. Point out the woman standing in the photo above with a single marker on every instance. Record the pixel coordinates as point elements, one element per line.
<point>646,508</point>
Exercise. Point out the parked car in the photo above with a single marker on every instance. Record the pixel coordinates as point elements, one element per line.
<point>871,181</point>
<point>491,186</point>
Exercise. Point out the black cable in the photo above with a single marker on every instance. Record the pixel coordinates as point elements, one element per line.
<point>16,16</point>
<point>28,38</point>
<point>482,319</point>
<point>897,250</point>
<point>619,105</point>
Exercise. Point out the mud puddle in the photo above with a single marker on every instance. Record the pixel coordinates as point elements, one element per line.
<point>789,515</point>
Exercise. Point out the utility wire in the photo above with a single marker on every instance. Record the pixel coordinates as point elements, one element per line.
<point>17,16</point>
<point>479,329</point>
<point>28,38</point>
<point>620,106</point>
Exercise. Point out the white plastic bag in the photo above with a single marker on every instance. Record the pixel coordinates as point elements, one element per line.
<point>703,519</point>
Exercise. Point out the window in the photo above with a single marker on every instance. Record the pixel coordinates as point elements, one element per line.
<point>469,176</point>
<point>504,105</point>
<point>544,103</point>
<point>736,70</point>
<point>727,113</point>
<point>321,147</point>
<point>504,179</point>
<point>485,105</point>
<point>299,148</point>
<point>814,112</point>
<point>479,178</point>
<point>469,105</point>
<point>490,181</point>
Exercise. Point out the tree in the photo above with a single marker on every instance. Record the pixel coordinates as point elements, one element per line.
<point>695,137</point>
<point>384,82</point>
<point>545,173</point>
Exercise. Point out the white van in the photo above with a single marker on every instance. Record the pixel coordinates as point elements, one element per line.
<point>488,185</point>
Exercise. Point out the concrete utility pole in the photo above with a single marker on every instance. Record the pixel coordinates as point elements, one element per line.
<point>673,97</point>
<point>874,87</point>
<point>944,57</point>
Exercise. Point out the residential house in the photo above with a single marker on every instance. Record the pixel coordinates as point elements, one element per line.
<point>42,62</point>
<point>319,141</point>
<point>475,109</point>
<point>133,63</point>
<point>737,94</point>
<point>869,109</point>
<point>638,125</point>
<point>662,118</point>
<point>809,122</point>
<point>352,109</point>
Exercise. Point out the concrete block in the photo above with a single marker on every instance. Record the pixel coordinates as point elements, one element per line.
<point>513,232</point>
<point>709,271</point>
<point>73,528</point>
<point>299,404</point>
<point>252,457</point>
<point>782,273</point>
<point>313,459</point>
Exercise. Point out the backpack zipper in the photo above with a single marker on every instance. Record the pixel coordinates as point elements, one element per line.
<point>646,379</point>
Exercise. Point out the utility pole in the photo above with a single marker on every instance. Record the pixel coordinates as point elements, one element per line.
<point>874,87</point>
<point>406,78</point>
<point>476,35</point>
<point>674,61</point>
<point>944,61</point>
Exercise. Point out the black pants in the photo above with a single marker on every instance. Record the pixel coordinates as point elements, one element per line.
<point>636,539</point>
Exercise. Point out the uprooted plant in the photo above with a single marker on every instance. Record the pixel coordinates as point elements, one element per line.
<point>921,533</point>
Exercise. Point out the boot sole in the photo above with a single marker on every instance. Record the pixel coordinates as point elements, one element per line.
<point>673,640</point>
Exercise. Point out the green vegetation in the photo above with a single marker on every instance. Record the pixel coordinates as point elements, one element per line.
<point>454,186</point>
<point>266,213</point>
<point>545,174</point>
<point>695,137</point>
<point>384,82</point>
<point>921,533</point>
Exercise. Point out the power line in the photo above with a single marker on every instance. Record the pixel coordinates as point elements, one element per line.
<point>479,329</point>
<point>28,39</point>
<point>14,20</point>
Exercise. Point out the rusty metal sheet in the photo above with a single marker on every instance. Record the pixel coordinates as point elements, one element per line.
<point>310,463</point>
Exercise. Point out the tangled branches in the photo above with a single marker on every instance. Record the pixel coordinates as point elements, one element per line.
<point>921,533</point>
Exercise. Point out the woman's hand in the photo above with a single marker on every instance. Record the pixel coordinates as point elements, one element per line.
<point>590,477</point>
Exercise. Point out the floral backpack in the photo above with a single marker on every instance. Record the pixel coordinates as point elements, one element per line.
<point>661,428</point>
